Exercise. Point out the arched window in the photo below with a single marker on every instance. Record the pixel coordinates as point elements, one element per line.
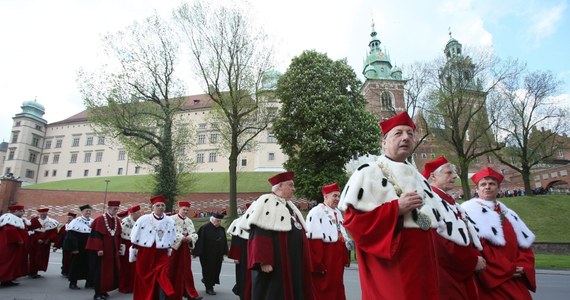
<point>386,101</point>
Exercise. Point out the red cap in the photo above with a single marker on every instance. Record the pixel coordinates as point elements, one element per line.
<point>135,208</point>
<point>183,204</point>
<point>43,210</point>
<point>433,165</point>
<point>122,214</point>
<point>70,214</point>
<point>487,172</point>
<point>333,187</point>
<point>159,198</point>
<point>113,203</point>
<point>400,119</point>
<point>15,207</point>
<point>285,176</point>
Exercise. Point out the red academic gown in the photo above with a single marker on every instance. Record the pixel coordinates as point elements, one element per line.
<point>180,272</point>
<point>106,275</point>
<point>496,282</point>
<point>152,269</point>
<point>288,253</point>
<point>393,262</point>
<point>127,278</point>
<point>39,253</point>
<point>328,261</point>
<point>456,265</point>
<point>12,250</point>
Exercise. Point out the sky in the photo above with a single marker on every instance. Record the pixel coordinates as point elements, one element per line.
<point>45,43</point>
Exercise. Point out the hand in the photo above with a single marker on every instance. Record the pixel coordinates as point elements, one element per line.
<point>236,261</point>
<point>519,272</point>
<point>100,253</point>
<point>481,264</point>
<point>74,252</point>
<point>408,202</point>
<point>266,268</point>
<point>40,241</point>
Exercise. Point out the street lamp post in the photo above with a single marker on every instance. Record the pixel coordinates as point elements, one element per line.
<point>106,188</point>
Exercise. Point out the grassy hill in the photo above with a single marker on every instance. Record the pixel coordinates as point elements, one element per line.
<point>547,216</point>
<point>201,183</point>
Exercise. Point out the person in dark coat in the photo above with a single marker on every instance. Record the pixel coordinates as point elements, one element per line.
<point>78,232</point>
<point>211,247</point>
<point>66,256</point>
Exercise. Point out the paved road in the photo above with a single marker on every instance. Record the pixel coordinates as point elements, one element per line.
<point>552,285</point>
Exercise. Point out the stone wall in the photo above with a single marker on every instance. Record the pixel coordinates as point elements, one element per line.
<point>551,248</point>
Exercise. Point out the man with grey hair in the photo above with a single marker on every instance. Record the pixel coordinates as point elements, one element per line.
<point>457,263</point>
<point>278,249</point>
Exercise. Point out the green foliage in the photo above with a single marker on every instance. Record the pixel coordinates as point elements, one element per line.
<point>322,122</point>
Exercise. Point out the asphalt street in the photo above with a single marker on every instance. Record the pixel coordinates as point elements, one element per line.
<point>552,285</point>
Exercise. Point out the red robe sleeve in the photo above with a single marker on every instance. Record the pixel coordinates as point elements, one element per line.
<point>375,232</point>
<point>235,249</point>
<point>11,235</point>
<point>317,254</point>
<point>458,260</point>
<point>95,240</point>
<point>260,248</point>
<point>526,260</point>
<point>499,269</point>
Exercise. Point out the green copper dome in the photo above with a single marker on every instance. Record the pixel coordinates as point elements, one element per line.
<point>378,64</point>
<point>34,110</point>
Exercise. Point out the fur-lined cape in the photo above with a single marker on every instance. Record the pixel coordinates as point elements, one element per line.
<point>11,219</point>
<point>489,222</point>
<point>236,230</point>
<point>270,212</point>
<point>144,233</point>
<point>321,224</point>
<point>183,226</point>
<point>375,184</point>
<point>80,224</point>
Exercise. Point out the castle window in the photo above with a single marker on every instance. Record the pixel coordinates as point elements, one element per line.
<point>386,101</point>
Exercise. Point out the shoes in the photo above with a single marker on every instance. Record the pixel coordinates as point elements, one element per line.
<point>35,276</point>
<point>73,286</point>
<point>235,290</point>
<point>105,295</point>
<point>197,298</point>
<point>210,292</point>
<point>9,283</point>
<point>99,297</point>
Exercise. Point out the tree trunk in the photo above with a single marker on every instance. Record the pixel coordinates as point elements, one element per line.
<point>463,176</point>
<point>232,213</point>
<point>526,180</point>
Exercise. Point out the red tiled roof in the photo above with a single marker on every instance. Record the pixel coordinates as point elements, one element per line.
<point>190,103</point>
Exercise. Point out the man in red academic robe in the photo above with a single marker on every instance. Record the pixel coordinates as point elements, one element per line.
<point>40,243</point>
<point>13,235</point>
<point>181,258</point>
<point>328,244</point>
<point>58,244</point>
<point>457,263</point>
<point>104,242</point>
<point>127,278</point>
<point>506,240</point>
<point>392,215</point>
<point>278,250</point>
<point>152,236</point>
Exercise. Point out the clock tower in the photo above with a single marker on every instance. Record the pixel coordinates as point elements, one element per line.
<point>383,86</point>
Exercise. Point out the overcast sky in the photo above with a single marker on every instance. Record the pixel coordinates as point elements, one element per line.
<point>44,43</point>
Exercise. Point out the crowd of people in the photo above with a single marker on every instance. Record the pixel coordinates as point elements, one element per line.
<point>412,239</point>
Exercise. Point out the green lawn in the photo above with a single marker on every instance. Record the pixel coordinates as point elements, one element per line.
<point>201,183</point>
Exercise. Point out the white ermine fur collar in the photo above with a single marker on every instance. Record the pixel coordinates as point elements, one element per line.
<point>488,222</point>
<point>375,184</point>
<point>126,226</point>
<point>270,212</point>
<point>236,230</point>
<point>184,227</point>
<point>147,229</point>
<point>47,224</point>
<point>322,224</point>
<point>12,219</point>
<point>80,224</point>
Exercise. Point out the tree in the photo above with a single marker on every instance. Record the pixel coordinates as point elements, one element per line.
<point>322,122</point>
<point>233,60</point>
<point>135,99</point>
<point>530,124</point>
<point>457,107</point>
